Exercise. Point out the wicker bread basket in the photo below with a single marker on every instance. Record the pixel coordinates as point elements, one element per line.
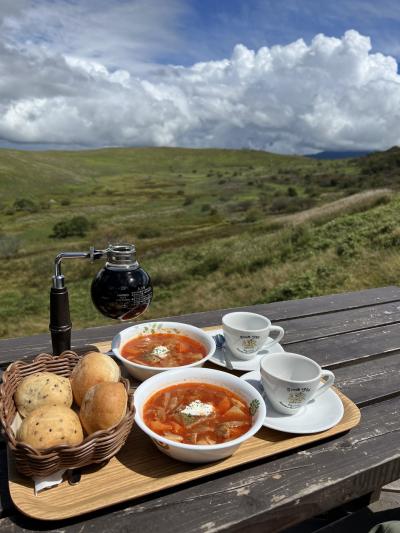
<point>96,448</point>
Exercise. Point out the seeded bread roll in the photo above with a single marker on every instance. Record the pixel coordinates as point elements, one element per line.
<point>94,368</point>
<point>42,388</point>
<point>103,406</point>
<point>51,425</point>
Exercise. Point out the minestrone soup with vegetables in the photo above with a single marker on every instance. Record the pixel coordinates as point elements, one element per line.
<point>163,350</point>
<point>197,413</point>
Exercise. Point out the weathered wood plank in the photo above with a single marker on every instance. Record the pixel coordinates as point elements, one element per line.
<point>272,495</point>
<point>371,381</point>
<point>318,305</point>
<point>141,471</point>
<point>330,324</point>
<point>334,351</point>
<point>11,349</point>
<point>264,496</point>
<point>348,348</point>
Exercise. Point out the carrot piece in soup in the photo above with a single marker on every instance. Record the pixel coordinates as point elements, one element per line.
<point>177,428</point>
<point>158,426</point>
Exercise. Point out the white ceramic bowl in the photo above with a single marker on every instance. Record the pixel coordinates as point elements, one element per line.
<point>194,453</point>
<point>143,372</point>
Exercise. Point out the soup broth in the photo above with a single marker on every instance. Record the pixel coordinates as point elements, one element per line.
<point>163,350</point>
<point>197,413</point>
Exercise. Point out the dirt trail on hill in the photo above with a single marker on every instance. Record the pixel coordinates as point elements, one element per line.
<point>348,204</point>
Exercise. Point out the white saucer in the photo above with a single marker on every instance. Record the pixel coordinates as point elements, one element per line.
<point>319,415</point>
<point>239,364</point>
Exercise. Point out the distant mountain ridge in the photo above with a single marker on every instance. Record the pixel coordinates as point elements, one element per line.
<point>340,155</point>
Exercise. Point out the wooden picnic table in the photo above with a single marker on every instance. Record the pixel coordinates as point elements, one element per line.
<point>357,335</point>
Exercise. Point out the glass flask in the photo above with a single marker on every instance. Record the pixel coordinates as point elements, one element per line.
<point>122,289</point>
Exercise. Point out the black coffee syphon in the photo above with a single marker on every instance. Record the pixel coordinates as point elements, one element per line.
<point>120,290</point>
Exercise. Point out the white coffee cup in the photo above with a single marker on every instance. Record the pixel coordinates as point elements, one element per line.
<point>291,380</point>
<point>247,333</point>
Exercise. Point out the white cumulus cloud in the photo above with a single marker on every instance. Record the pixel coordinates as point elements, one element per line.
<point>329,94</point>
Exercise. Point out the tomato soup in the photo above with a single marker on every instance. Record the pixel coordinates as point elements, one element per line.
<point>163,350</point>
<point>197,413</point>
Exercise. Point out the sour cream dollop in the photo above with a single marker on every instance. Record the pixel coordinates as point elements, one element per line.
<point>160,351</point>
<point>198,408</point>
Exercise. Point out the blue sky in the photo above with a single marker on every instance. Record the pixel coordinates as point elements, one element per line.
<point>218,25</point>
<point>297,76</point>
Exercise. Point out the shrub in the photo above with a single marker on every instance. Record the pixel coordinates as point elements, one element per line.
<point>260,262</point>
<point>302,287</point>
<point>74,227</point>
<point>66,201</point>
<point>301,236</point>
<point>287,204</point>
<point>253,215</point>
<point>382,200</point>
<point>149,233</point>
<point>280,204</point>
<point>167,276</point>
<point>9,246</point>
<point>311,191</point>
<point>207,266</point>
<point>387,238</point>
<point>242,206</point>
<point>24,204</point>
<point>292,191</point>
<point>347,248</point>
<point>188,200</point>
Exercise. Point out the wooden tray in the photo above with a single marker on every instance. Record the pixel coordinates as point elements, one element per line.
<point>140,469</point>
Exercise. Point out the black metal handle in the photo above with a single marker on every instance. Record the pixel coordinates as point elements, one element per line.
<point>60,320</point>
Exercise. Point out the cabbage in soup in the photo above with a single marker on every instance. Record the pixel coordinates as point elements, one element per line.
<point>197,413</point>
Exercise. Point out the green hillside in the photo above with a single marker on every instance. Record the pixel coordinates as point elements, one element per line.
<point>215,228</point>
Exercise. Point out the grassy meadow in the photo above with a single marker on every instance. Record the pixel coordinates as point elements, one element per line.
<point>214,228</point>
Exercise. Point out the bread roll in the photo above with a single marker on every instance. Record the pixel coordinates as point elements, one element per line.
<point>51,425</point>
<point>42,388</point>
<point>103,406</point>
<point>93,368</point>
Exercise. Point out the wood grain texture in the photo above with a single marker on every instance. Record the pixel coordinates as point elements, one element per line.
<point>26,347</point>
<point>362,347</point>
<point>327,324</point>
<point>140,469</point>
<point>370,381</point>
<point>269,495</point>
<point>351,348</point>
